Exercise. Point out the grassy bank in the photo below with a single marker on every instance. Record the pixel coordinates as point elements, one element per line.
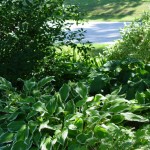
<point>112,10</point>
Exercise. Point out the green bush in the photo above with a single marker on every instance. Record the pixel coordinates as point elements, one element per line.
<point>31,31</point>
<point>131,76</point>
<point>135,42</point>
<point>39,118</point>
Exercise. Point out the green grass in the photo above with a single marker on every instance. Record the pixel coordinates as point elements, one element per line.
<point>112,10</point>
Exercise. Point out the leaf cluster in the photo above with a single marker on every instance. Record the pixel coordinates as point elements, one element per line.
<point>38,118</point>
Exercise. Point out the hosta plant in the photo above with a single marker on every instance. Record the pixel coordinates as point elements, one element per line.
<point>38,118</point>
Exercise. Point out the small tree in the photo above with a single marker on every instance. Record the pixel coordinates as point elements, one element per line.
<point>29,31</point>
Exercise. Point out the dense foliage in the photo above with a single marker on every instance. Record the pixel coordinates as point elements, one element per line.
<point>100,103</point>
<point>31,31</point>
<point>135,42</point>
<point>38,118</point>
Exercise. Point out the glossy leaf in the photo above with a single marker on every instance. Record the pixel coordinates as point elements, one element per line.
<point>133,117</point>
<point>70,107</point>
<point>100,132</point>
<point>82,90</point>
<point>62,136</point>
<point>118,118</point>
<point>82,138</point>
<point>44,81</point>
<point>15,125</point>
<point>40,107</point>
<point>6,137</point>
<point>19,145</point>
<point>51,106</point>
<point>64,92</point>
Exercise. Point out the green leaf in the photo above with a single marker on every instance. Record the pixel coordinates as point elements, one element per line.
<point>40,107</point>
<point>62,136</point>
<point>118,118</point>
<point>70,107</point>
<point>13,116</point>
<point>79,124</point>
<point>5,85</point>
<point>32,126</point>
<point>46,143</point>
<point>82,90</point>
<point>72,127</point>
<point>6,137</point>
<point>29,85</point>
<point>98,98</point>
<point>1,131</point>
<point>81,103</point>
<point>27,100</point>
<point>133,117</point>
<point>51,106</point>
<point>119,108</point>
<point>3,117</point>
<point>45,125</point>
<point>64,92</point>
<point>7,147</point>
<point>82,137</point>
<point>31,114</point>
<point>100,132</point>
<point>19,145</point>
<point>37,138</point>
<point>140,97</point>
<point>15,125</point>
<point>44,81</point>
<point>22,134</point>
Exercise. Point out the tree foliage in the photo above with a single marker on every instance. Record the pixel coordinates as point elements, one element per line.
<point>29,31</point>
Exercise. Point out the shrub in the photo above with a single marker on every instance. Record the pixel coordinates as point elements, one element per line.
<point>40,118</point>
<point>30,30</point>
<point>135,41</point>
<point>131,75</point>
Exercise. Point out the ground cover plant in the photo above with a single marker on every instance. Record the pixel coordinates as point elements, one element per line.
<point>112,10</point>
<point>40,118</point>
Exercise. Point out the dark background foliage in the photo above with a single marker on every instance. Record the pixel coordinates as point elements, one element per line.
<point>30,31</point>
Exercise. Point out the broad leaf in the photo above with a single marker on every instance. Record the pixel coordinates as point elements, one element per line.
<point>27,100</point>
<point>64,92</point>
<point>29,85</point>
<point>20,145</point>
<point>81,103</point>
<point>51,106</point>
<point>82,138</point>
<point>79,124</point>
<point>46,143</point>
<point>44,81</point>
<point>22,134</point>
<point>118,118</point>
<point>40,107</point>
<point>133,117</point>
<point>62,136</point>
<point>6,137</point>
<point>5,85</point>
<point>15,125</point>
<point>70,107</point>
<point>119,108</point>
<point>100,132</point>
<point>82,90</point>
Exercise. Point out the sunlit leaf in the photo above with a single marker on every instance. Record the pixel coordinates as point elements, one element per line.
<point>6,137</point>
